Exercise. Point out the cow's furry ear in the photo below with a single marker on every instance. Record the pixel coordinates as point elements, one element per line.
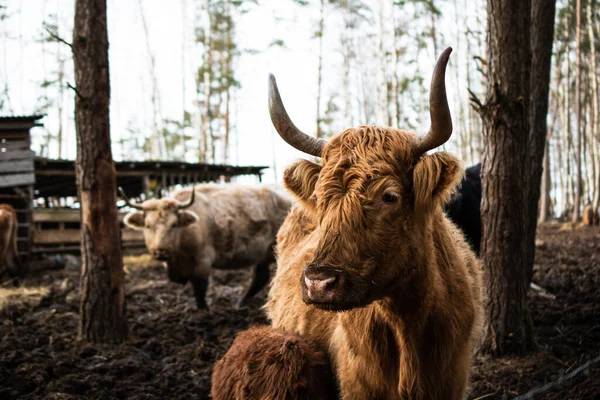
<point>300,179</point>
<point>186,218</point>
<point>134,220</point>
<point>435,178</point>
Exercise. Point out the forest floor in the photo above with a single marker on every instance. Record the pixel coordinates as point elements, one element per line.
<point>172,346</point>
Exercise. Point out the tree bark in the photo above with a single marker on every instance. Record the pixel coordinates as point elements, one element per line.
<point>382,53</point>
<point>542,35</point>
<point>546,184</point>
<point>102,310</point>
<point>577,201</point>
<point>394,73</point>
<point>206,131</point>
<point>505,117</point>
<point>320,68</point>
<point>158,145</point>
<point>594,138</point>
<point>346,38</point>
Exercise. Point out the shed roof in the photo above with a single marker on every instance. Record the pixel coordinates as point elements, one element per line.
<point>57,177</point>
<point>19,122</point>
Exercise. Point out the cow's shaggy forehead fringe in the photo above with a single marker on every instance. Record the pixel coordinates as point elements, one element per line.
<point>365,145</point>
<point>358,160</point>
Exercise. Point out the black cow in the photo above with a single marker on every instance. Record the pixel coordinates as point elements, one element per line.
<point>464,208</point>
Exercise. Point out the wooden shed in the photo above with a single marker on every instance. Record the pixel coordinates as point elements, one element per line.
<point>53,225</point>
<point>57,228</point>
<point>17,173</point>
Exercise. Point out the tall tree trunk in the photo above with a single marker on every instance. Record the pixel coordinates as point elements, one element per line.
<point>157,142</point>
<point>505,117</point>
<point>394,73</point>
<point>320,68</point>
<point>546,185</point>
<point>544,211</point>
<point>227,67</point>
<point>542,34</point>
<point>567,120</point>
<point>594,142</point>
<point>183,36</point>
<point>383,84</point>
<point>206,131</point>
<point>102,310</point>
<point>432,32</point>
<point>468,134</point>
<point>61,85</point>
<point>578,161</point>
<point>347,54</point>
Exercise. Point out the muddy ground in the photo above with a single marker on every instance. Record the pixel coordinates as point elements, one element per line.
<point>172,346</point>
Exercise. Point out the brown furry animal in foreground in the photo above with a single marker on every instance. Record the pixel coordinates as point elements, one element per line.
<point>10,263</point>
<point>369,237</point>
<point>266,363</point>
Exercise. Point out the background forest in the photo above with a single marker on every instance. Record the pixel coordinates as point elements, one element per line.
<point>189,79</point>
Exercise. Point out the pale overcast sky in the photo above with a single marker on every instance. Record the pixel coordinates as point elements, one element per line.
<point>25,65</point>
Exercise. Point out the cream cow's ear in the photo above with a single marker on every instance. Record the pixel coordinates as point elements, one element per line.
<point>134,220</point>
<point>186,218</point>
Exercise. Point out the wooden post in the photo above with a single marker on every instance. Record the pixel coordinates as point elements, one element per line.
<point>102,310</point>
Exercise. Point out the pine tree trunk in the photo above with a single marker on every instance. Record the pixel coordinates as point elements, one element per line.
<point>468,146</point>
<point>506,121</point>
<point>102,310</point>
<point>383,84</point>
<point>61,85</point>
<point>394,73</point>
<point>347,54</point>
<point>208,50</point>
<point>546,185</point>
<point>183,38</point>
<point>158,142</point>
<point>545,189</point>
<point>542,34</point>
<point>320,68</point>
<point>432,11</point>
<point>566,143</point>
<point>578,137</point>
<point>594,138</point>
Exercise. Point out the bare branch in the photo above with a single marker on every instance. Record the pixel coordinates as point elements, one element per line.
<point>475,102</point>
<point>75,90</point>
<point>58,38</point>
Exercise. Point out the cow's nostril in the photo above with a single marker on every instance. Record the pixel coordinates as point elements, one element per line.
<point>320,284</point>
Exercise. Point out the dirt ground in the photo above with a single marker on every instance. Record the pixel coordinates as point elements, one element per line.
<point>172,346</point>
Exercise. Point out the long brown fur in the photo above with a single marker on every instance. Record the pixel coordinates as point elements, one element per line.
<point>268,364</point>
<point>9,256</point>
<point>419,307</point>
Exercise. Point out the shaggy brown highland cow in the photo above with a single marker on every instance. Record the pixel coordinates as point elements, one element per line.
<point>265,363</point>
<point>369,237</point>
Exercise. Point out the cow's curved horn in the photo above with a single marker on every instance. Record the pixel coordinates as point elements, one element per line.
<point>286,128</point>
<point>181,206</point>
<point>128,202</point>
<point>441,120</point>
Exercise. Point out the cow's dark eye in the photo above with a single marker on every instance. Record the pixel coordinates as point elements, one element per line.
<point>389,198</point>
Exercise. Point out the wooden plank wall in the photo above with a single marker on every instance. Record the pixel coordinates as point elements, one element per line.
<point>16,160</point>
<point>59,231</point>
